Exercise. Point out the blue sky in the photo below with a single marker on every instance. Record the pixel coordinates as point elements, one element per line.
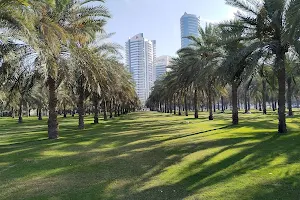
<point>160,19</point>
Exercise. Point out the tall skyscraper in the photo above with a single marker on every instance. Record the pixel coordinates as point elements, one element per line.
<point>161,66</point>
<point>140,57</point>
<point>189,25</point>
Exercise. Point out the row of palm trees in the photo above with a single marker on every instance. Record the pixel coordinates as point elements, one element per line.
<point>61,47</point>
<point>256,56</point>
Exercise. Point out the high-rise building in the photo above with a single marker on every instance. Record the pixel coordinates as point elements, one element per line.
<point>140,57</point>
<point>161,66</point>
<point>189,25</point>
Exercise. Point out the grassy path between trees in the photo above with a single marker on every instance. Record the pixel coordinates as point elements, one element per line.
<point>151,155</point>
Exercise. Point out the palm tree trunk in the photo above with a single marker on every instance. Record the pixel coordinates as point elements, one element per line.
<point>273,104</point>
<point>96,109</point>
<point>195,104</point>
<point>222,102</point>
<point>123,109</point>
<point>116,108</point>
<point>259,106</point>
<point>280,66</point>
<point>179,106</point>
<point>104,110</point>
<point>214,105</point>
<point>52,120</point>
<point>110,110</point>
<point>255,104</point>
<point>12,112</point>
<point>245,102</point>
<point>186,106</point>
<point>174,104</point>
<point>235,112</point>
<point>20,120</point>
<point>264,95</point>
<point>28,110</point>
<point>81,106</point>
<point>40,114</point>
<point>289,96</point>
<point>249,104</point>
<point>210,108</point>
<point>65,111</point>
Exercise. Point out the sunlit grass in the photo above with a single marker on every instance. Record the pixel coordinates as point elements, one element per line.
<point>151,156</point>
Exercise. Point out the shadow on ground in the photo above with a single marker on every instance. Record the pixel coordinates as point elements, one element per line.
<point>151,156</point>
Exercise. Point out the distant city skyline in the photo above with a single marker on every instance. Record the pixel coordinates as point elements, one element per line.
<point>160,19</point>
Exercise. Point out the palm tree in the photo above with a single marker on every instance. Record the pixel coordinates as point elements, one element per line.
<point>18,72</point>
<point>206,55</point>
<point>89,72</point>
<point>23,84</point>
<point>272,23</point>
<point>292,66</point>
<point>65,98</point>
<point>39,98</point>
<point>63,23</point>
<point>239,62</point>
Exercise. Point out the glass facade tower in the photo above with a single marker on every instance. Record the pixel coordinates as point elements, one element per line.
<point>189,25</point>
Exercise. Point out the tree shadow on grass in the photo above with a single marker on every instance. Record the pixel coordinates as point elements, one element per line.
<point>116,159</point>
<point>252,157</point>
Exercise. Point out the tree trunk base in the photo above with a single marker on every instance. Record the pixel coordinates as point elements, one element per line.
<point>53,138</point>
<point>211,117</point>
<point>52,131</point>
<point>80,127</point>
<point>282,128</point>
<point>235,122</point>
<point>235,119</point>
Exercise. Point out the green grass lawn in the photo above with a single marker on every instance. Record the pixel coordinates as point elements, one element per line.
<point>151,156</point>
